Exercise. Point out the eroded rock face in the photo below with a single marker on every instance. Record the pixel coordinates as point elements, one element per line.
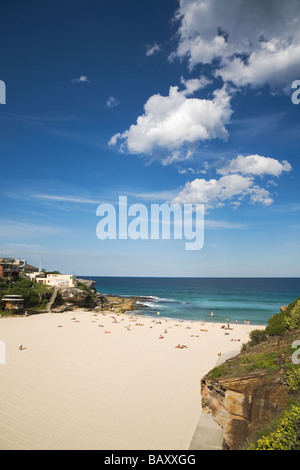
<point>242,406</point>
<point>72,295</point>
<point>69,298</point>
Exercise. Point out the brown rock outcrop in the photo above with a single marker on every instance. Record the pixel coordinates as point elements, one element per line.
<point>247,391</point>
<point>242,406</point>
<point>283,308</point>
<point>87,298</point>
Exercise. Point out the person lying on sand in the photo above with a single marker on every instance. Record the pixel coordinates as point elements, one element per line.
<point>181,346</point>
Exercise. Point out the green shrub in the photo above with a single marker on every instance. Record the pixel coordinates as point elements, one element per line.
<point>276,325</point>
<point>292,376</point>
<point>23,283</point>
<point>285,434</point>
<point>292,315</point>
<point>257,337</point>
<point>289,319</point>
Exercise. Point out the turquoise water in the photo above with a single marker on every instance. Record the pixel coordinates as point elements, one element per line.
<point>242,299</point>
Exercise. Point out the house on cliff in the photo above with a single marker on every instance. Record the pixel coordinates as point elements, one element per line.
<point>58,280</point>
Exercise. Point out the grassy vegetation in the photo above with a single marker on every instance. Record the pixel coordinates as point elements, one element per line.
<point>85,288</point>
<point>247,364</point>
<point>289,319</point>
<point>268,350</point>
<point>35,295</point>
<point>282,433</point>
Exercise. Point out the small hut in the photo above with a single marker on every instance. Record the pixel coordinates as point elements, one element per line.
<point>13,303</point>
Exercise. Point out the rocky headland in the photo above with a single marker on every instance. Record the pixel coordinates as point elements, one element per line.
<point>86,297</point>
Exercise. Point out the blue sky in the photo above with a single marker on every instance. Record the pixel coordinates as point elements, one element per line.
<point>164,101</point>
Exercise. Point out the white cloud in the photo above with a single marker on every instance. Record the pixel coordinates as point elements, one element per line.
<point>151,49</point>
<point>255,165</point>
<point>255,42</point>
<point>278,66</point>
<point>79,200</point>
<point>11,230</point>
<point>194,84</point>
<point>81,79</point>
<point>236,182</point>
<point>187,170</point>
<point>217,224</point>
<point>170,122</point>
<point>215,192</point>
<point>112,102</point>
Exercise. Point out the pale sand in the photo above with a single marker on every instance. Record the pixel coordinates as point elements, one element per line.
<point>73,386</point>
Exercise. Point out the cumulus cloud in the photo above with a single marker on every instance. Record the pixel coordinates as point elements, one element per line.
<point>255,42</point>
<point>237,182</point>
<point>215,192</point>
<point>170,122</point>
<point>255,165</point>
<point>277,65</point>
<point>246,43</point>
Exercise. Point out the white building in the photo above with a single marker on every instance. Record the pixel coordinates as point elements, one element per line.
<point>57,280</point>
<point>35,275</point>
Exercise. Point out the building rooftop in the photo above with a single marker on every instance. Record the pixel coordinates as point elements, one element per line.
<point>29,266</point>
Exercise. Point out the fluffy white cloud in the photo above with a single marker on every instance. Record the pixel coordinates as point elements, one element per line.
<point>256,42</point>
<point>215,192</point>
<point>236,183</point>
<point>255,165</point>
<point>169,122</point>
<point>277,65</point>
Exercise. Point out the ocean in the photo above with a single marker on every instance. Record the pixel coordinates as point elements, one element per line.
<point>236,299</point>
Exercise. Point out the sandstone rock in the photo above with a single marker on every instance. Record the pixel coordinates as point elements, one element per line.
<point>75,296</point>
<point>68,298</point>
<point>243,405</point>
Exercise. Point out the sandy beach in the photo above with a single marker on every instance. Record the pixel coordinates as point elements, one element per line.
<point>85,380</point>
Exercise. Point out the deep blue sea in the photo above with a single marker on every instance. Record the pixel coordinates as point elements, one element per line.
<point>242,299</point>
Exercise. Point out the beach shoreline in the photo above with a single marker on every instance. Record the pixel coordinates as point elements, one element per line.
<point>106,380</point>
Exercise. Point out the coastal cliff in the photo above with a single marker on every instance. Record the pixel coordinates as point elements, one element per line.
<point>248,392</point>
